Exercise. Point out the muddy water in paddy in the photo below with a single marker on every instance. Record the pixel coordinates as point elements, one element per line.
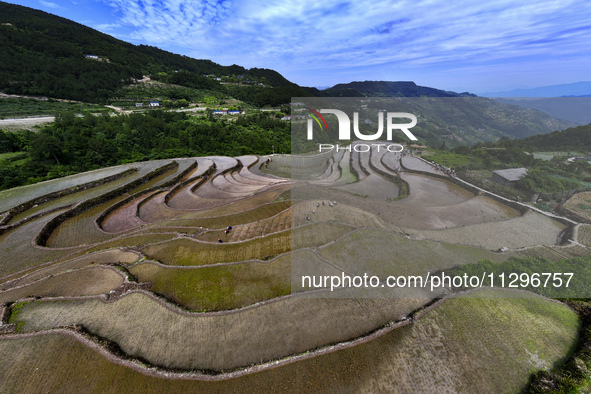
<point>374,186</point>
<point>432,203</point>
<point>437,204</point>
<point>412,163</point>
<point>430,192</point>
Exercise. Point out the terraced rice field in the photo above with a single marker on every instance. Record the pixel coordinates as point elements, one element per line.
<point>528,230</point>
<point>585,235</point>
<point>221,287</point>
<point>187,275</point>
<point>88,281</point>
<point>215,341</point>
<point>105,257</point>
<point>580,204</point>
<point>190,252</point>
<point>443,351</point>
<point>383,253</point>
<point>13,197</point>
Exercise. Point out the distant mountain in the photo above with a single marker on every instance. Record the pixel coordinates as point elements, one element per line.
<point>387,89</point>
<point>45,55</point>
<point>573,109</point>
<point>571,89</point>
<point>469,120</point>
<point>454,118</point>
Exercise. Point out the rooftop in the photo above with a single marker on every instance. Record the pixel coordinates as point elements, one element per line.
<point>511,174</point>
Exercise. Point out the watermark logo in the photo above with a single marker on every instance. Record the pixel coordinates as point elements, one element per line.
<point>345,124</point>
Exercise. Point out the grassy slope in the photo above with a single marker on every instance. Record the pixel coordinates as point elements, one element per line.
<point>218,288</point>
<point>230,286</point>
<point>190,253</point>
<point>212,341</point>
<point>466,345</point>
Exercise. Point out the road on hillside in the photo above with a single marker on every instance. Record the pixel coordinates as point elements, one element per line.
<point>26,122</point>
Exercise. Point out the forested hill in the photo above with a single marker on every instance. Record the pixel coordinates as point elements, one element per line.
<point>388,89</point>
<point>576,139</point>
<point>46,55</point>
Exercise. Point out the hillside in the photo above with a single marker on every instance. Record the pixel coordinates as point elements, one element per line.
<point>575,139</point>
<point>46,55</point>
<point>573,109</point>
<point>453,118</point>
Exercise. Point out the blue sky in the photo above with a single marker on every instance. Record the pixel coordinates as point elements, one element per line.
<point>461,45</point>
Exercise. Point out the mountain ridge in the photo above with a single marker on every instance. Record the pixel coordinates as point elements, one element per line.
<point>575,89</point>
<point>388,89</point>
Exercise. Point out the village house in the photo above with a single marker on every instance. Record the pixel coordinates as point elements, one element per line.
<point>586,158</point>
<point>509,176</point>
<point>418,149</point>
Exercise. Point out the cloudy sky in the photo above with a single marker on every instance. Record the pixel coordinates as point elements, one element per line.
<point>463,45</point>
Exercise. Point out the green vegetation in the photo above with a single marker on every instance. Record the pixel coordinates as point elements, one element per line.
<point>219,288</point>
<point>170,96</point>
<point>573,139</point>
<point>538,180</point>
<point>448,159</point>
<point>12,157</point>
<point>45,55</point>
<point>76,144</point>
<point>546,176</point>
<point>15,107</point>
<point>547,285</point>
<point>572,376</point>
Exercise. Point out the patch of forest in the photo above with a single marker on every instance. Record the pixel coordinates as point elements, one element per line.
<point>77,144</point>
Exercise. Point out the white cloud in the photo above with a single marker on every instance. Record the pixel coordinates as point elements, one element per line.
<point>340,34</point>
<point>49,4</point>
<point>107,27</point>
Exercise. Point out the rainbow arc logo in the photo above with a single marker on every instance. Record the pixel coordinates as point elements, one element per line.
<point>315,115</point>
